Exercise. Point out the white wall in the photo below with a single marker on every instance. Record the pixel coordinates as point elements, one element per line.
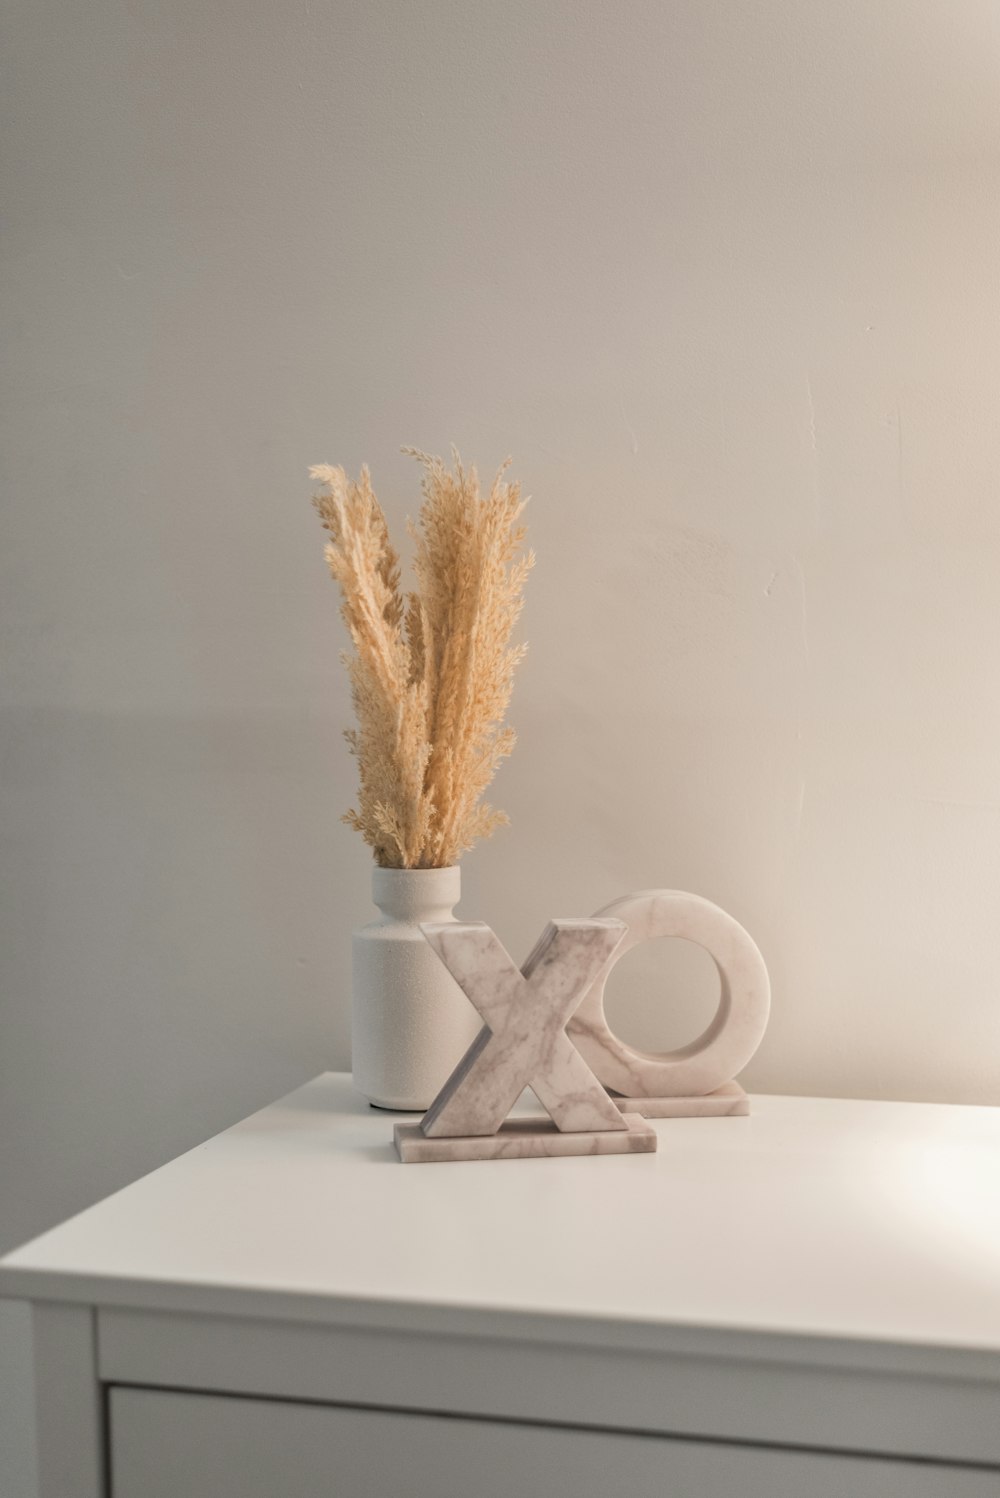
<point>722,277</point>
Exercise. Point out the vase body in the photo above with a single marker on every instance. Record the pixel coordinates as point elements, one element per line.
<point>411,1023</point>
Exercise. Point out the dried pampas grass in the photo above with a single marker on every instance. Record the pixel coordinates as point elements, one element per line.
<point>431,673</point>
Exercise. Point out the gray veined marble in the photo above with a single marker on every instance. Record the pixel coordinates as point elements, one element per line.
<point>523,1043</point>
<point>526,1138</point>
<point>727,1101</point>
<point>709,1062</point>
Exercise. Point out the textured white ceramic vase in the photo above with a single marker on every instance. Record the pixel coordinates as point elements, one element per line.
<point>411,1022</point>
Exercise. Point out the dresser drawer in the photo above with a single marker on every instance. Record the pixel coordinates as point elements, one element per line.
<point>167,1445</point>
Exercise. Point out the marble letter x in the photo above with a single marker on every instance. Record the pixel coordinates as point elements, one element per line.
<point>524,1042</point>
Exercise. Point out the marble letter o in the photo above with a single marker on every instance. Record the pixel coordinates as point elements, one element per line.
<point>725,1047</point>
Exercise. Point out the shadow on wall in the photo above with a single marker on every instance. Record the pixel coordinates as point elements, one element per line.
<point>167,960</point>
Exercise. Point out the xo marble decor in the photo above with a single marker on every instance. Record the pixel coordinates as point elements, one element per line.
<point>525,1139</point>
<point>523,1043</point>
<point>728,1101</point>
<point>697,1080</point>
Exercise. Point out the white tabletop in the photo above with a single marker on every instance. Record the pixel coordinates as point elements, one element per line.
<point>868,1221</point>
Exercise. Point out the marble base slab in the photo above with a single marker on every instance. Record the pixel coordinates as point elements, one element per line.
<point>525,1138</point>
<point>727,1101</point>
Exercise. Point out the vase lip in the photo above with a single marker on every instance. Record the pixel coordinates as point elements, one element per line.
<point>445,883</point>
<point>407,891</point>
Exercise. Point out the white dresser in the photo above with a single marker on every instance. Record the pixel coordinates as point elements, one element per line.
<point>804,1303</point>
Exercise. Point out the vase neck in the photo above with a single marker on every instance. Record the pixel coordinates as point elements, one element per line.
<point>417,894</point>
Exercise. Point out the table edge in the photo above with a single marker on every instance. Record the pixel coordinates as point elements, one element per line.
<point>819,1347</point>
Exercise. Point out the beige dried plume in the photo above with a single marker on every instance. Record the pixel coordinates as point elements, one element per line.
<point>431,673</point>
